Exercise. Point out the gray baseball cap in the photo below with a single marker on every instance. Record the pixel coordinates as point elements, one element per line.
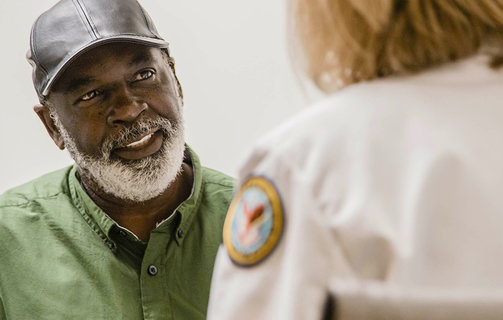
<point>72,27</point>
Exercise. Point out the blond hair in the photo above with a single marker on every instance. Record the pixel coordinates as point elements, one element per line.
<point>348,41</point>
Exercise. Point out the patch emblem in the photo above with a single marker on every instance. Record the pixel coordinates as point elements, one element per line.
<point>254,222</point>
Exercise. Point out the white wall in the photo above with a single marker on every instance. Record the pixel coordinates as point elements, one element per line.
<point>231,60</point>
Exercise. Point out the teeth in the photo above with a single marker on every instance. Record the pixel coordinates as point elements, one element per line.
<point>142,140</point>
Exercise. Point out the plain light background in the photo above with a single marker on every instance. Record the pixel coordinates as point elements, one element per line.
<point>232,61</point>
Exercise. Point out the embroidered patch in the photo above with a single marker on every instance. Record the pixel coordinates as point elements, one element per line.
<point>254,222</point>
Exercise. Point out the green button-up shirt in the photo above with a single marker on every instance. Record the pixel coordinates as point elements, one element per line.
<point>62,257</point>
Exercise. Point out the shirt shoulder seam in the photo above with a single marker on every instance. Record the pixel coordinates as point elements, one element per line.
<point>20,204</point>
<point>230,185</point>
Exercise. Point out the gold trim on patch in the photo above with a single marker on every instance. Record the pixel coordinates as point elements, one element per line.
<point>277,223</point>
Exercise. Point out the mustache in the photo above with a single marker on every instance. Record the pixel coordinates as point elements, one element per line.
<point>135,132</point>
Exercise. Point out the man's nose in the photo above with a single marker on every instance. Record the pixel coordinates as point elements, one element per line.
<point>126,108</point>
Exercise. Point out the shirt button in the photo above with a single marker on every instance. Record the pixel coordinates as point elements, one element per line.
<point>122,233</point>
<point>152,270</point>
<point>111,245</point>
<point>180,233</point>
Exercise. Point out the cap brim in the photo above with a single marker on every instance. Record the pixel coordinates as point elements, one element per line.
<point>153,42</point>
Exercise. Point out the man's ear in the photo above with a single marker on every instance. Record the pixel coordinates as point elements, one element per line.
<point>45,116</point>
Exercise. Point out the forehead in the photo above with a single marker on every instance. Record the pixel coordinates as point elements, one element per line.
<point>106,60</point>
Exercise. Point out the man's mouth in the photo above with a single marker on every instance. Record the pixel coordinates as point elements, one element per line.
<point>139,143</point>
<point>143,146</point>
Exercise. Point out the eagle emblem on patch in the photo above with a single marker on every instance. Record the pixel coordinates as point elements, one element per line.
<point>254,222</point>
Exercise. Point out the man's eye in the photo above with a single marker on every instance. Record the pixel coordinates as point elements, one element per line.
<point>90,95</point>
<point>144,75</point>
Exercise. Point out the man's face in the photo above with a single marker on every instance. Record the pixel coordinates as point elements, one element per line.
<point>118,110</point>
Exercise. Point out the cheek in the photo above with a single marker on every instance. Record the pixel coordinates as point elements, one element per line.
<point>165,102</point>
<point>170,87</point>
<point>88,134</point>
<point>170,107</point>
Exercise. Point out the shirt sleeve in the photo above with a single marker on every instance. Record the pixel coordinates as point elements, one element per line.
<point>290,282</point>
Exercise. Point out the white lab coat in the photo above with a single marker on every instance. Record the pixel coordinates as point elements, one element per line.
<point>396,181</point>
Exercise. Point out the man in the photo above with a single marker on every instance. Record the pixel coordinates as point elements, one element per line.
<point>132,229</point>
<point>386,196</point>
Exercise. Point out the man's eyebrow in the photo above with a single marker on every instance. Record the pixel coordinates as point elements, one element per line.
<point>139,59</point>
<point>78,83</point>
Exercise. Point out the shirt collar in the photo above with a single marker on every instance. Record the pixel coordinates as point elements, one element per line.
<point>102,224</point>
<point>189,207</point>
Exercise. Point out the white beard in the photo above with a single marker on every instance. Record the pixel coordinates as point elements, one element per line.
<point>137,180</point>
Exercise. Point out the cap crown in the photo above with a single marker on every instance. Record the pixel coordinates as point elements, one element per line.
<point>72,27</point>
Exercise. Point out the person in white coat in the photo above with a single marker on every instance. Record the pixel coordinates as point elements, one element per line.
<point>388,193</point>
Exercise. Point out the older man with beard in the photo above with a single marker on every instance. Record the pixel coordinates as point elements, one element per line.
<point>131,231</point>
